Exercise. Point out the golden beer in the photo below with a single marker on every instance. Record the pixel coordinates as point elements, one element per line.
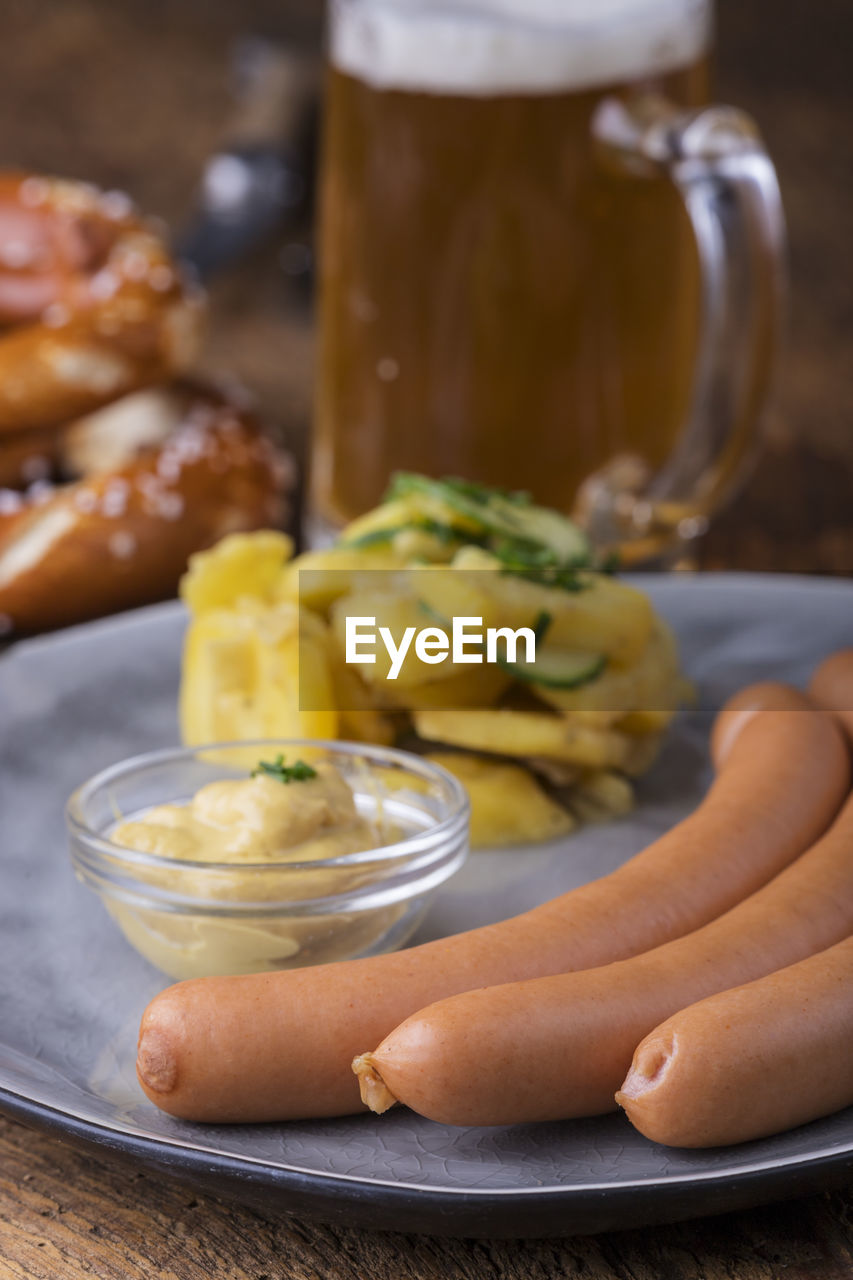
<point>494,304</point>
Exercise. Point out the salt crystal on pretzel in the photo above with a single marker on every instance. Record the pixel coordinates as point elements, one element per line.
<point>95,304</point>
<point>121,536</point>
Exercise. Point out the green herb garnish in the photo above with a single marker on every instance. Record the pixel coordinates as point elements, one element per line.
<point>404,483</point>
<point>443,533</point>
<point>551,576</point>
<point>523,559</point>
<point>299,771</point>
<point>542,623</point>
<point>610,563</point>
<point>530,541</point>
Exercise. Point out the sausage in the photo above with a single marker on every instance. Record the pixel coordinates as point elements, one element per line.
<point>279,1045</point>
<point>767,695</point>
<point>741,1064</point>
<point>831,687</point>
<point>559,1047</point>
<point>749,1062</point>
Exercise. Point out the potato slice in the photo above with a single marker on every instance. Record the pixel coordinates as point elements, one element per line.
<point>295,694</point>
<point>387,517</point>
<point>643,751</point>
<point>600,795</point>
<point>241,564</point>
<point>447,593</point>
<point>508,806</point>
<point>651,684</point>
<point>397,611</point>
<point>246,672</point>
<point>479,686</point>
<point>218,676</point>
<point>605,616</point>
<point>556,772</point>
<point>524,733</point>
<point>648,721</point>
<point>358,718</point>
<point>316,579</point>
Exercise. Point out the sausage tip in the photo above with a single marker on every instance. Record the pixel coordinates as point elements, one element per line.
<point>374,1091</point>
<point>650,1065</point>
<point>768,695</point>
<point>156,1064</point>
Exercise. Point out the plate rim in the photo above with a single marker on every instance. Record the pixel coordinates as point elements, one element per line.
<point>530,1212</point>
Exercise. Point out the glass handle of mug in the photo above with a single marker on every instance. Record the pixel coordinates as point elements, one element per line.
<point>717,161</point>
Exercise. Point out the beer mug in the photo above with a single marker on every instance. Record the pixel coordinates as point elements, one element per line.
<point>546,263</point>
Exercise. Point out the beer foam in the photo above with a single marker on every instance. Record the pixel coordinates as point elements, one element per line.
<point>482,47</point>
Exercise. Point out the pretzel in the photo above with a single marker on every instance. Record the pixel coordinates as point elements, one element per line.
<point>29,456</point>
<point>91,304</point>
<point>185,465</point>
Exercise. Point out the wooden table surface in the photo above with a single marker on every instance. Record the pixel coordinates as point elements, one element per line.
<point>65,1214</point>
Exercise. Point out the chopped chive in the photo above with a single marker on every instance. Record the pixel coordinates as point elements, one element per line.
<point>299,771</point>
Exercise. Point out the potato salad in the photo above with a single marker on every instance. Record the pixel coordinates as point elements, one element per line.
<point>556,697</point>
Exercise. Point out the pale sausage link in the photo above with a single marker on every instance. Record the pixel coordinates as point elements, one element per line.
<point>751,1061</point>
<point>762,1057</point>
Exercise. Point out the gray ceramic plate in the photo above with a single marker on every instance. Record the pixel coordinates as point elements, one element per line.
<point>71,990</point>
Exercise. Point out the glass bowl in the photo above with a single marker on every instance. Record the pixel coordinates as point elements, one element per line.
<point>192,919</point>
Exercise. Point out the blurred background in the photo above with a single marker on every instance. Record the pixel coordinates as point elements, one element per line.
<point>137,94</point>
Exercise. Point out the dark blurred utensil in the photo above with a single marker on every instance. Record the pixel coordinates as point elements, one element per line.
<point>262,176</point>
